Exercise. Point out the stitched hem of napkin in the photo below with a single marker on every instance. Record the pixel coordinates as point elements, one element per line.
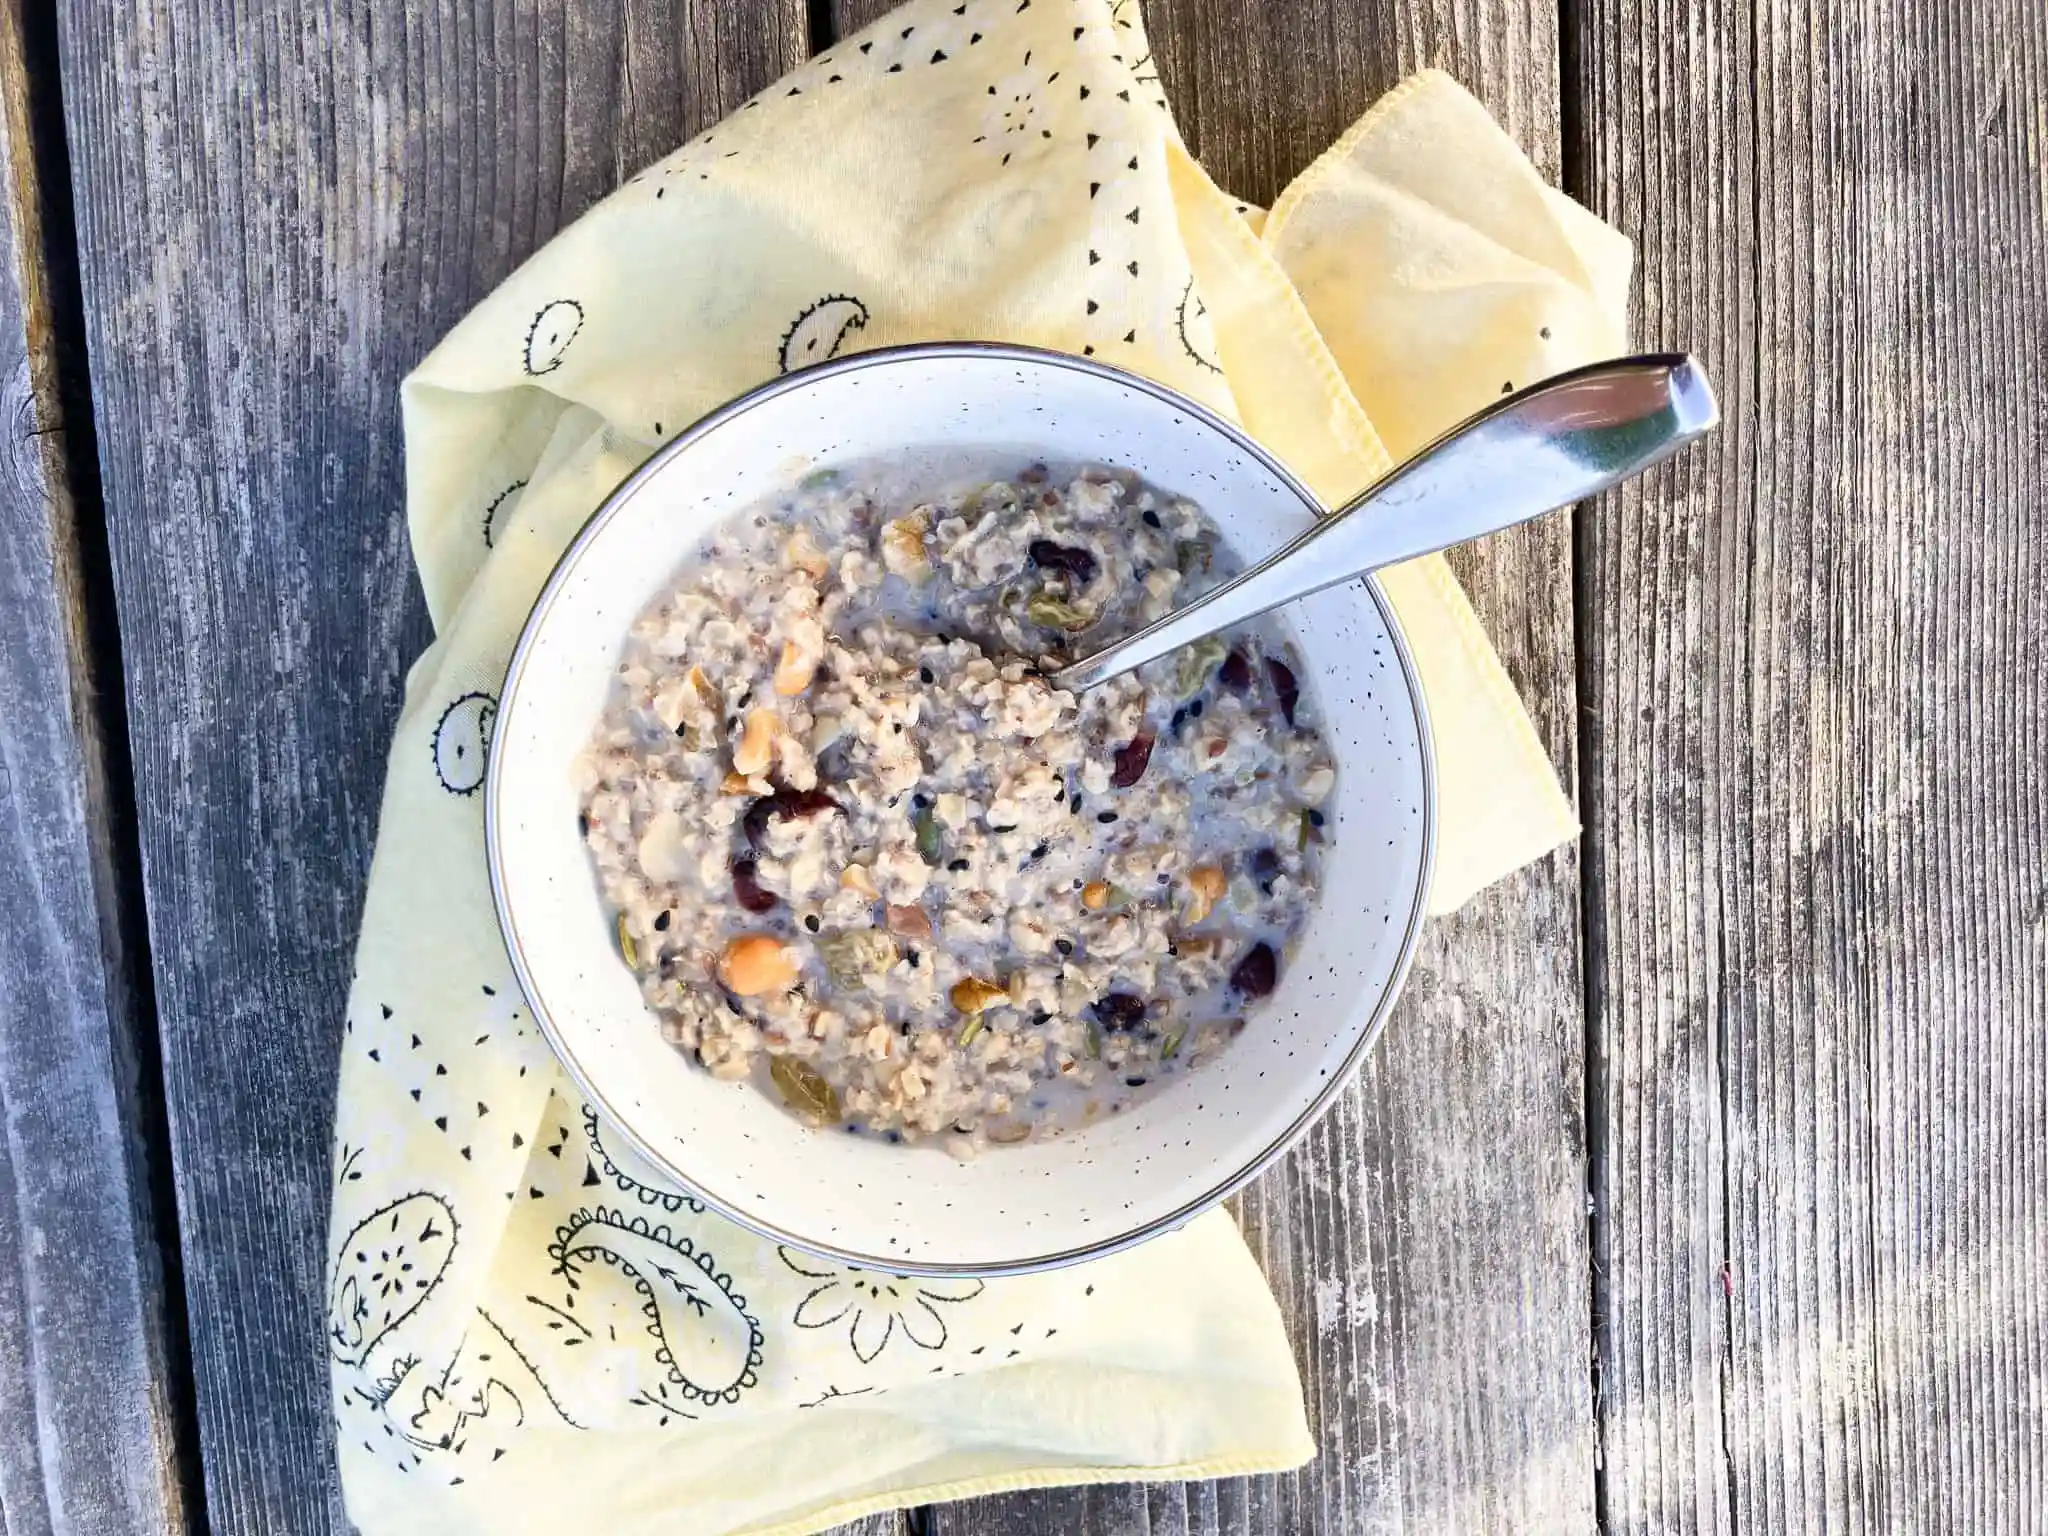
<point>1030,1477</point>
<point>1296,191</point>
<point>1357,435</point>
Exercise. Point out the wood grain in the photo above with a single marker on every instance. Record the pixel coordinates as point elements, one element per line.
<point>87,1345</point>
<point>1428,1243</point>
<point>280,209</point>
<point>1816,689</point>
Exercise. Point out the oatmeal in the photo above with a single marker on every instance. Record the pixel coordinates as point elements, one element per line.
<point>861,852</point>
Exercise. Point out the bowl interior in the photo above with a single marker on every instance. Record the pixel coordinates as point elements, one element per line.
<point>916,1209</point>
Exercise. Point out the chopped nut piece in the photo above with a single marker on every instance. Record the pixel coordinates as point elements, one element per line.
<point>972,994</point>
<point>757,742</point>
<point>909,922</point>
<point>793,673</point>
<point>758,963</point>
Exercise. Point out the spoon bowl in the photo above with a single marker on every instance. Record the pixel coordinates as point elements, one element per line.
<point>1557,442</point>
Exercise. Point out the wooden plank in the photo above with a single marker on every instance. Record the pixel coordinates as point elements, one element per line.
<point>1428,1244</point>
<point>280,211</point>
<point>87,1351</point>
<point>1816,684</point>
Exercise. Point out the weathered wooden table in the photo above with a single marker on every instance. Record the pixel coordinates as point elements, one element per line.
<point>1702,1183</point>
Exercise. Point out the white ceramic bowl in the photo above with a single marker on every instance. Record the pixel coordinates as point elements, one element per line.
<point>914,1209</point>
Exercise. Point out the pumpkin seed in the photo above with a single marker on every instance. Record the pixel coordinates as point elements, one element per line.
<point>856,958</point>
<point>927,829</point>
<point>970,1031</point>
<point>818,479</point>
<point>1193,664</point>
<point>804,1090</point>
<point>1170,1047</point>
<point>1054,613</point>
<point>627,947</point>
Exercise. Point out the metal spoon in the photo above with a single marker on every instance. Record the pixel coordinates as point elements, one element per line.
<point>1552,444</point>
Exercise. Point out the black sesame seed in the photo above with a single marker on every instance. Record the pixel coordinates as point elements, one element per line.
<point>957,865</point>
<point>1151,518</point>
<point>1106,817</point>
<point>994,828</point>
<point>661,922</point>
<point>811,922</point>
<point>924,675</point>
<point>1195,709</point>
<point>1038,853</point>
<point>1134,1082</point>
<point>1315,818</point>
<point>922,801</point>
<point>915,959</point>
<point>1059,794</point>
<point>894,1137</point>
<point>583,825</point>
<point>1064,946</point>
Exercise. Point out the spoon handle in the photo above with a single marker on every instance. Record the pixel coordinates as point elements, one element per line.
<point>1552,444</point>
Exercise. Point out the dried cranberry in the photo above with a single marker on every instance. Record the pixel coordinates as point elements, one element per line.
<point>1119,1012</point>
<point>1285,688</point>
<point>1131,760</point>
<point>1077,563</point>
<point>780,806</point>
<point>1256,972</point>
<point>1236,672</point>
<point>746,887</point>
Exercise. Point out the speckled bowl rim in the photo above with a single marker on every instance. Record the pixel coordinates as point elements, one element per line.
<point>594,528</point>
